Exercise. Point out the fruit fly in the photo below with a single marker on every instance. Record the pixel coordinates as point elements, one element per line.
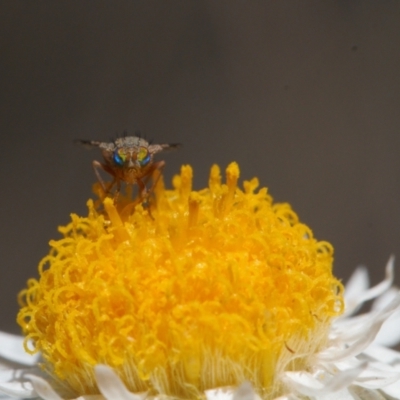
<point>128,159</point>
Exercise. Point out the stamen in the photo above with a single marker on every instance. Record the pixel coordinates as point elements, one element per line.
<point>194,205</point>
<point>115,219</point>
<point>186,182</point>
<point>214,181</point>
<point>232,175</point>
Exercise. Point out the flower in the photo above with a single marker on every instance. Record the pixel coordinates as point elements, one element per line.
<point>218,293</point>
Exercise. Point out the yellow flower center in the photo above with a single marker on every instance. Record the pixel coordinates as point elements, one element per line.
<point>211,288</point>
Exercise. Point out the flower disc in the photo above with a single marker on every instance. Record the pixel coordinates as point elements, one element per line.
<point>203,289</point>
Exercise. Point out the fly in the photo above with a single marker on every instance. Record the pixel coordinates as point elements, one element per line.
<point>128,159</point>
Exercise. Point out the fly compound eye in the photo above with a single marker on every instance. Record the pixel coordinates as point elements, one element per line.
<point>143,157</point>
<point>119,158</point>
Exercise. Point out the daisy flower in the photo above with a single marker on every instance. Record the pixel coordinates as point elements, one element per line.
<point>211,294</point>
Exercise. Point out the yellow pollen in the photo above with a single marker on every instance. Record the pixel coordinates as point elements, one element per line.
<point>209,289</point>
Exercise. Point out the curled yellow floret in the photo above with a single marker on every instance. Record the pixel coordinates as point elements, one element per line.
<point>198,290</point>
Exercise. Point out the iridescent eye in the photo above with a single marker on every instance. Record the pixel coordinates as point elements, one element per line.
<point>118,159</point>
<point>145,161</point>
<point>143,157</point>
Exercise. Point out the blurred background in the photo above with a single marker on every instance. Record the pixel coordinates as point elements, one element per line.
<point>303,94</point>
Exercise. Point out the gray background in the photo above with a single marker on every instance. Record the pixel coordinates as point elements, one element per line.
<point>303,94</point>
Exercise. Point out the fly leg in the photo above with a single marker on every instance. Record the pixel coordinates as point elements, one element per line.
<point>141,199</point>
<point>158,168</point>
<point>154,172</point>
<point>117,191</point>
<point>144,196</point>
<point>143,192</point>
<point>97,166</point>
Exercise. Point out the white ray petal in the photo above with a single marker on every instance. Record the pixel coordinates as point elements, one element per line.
<point>111,386</point>
<point>290,396</point>
<point>376,376</point>
<point>342,394</point>
<point>12,349</point>
<point>43,388</point>
<point>222,393</point>
<point>372,293</point>
<point>384,299</point>
<point>383,354</point>
<point>14,383</point>
<point>392,390</point>
<point>337,354</point>
<point>245,392</point>
<point>389,335</point>
<point>355,287</point>
<point>350,329</point>
<point>361,393</point>
<point>18,389</point>
<point>364,340</point>
<point>308,385</point>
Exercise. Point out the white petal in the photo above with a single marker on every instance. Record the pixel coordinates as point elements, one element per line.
<point>365,337</point>
<point>111,386</point>
<point>5,397</point>
<point>245,392</point>
<point>222,393</point>
<point>336,354</point>
<point>389,335</point>
<point>355,287</point>
<point>383,354</point>
<point>14,383</point>
<point>350,329</point>
<point>366,394</point>
<point>348,363</point>
<point>377,376</point>
<point>308,385</point>
<point>384,299</point>
<point>363,296</point>
<point>346,330</point>
<point>12,349</point>
<point>18,389</point>
<point>43,388</point>
<point>342,394</point>
<point>392,390</point>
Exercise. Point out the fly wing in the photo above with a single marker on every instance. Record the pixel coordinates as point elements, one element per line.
<point>156,148</point>
<point>87,143</point>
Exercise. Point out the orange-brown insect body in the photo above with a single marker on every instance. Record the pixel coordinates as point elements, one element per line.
<point>129,159</point>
